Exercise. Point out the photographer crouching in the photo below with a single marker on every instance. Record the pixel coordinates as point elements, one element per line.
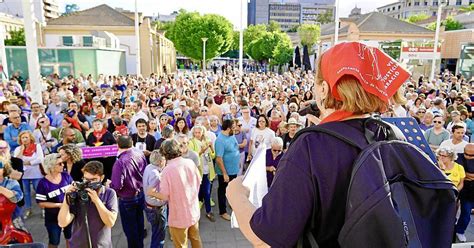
<point>91,207</point>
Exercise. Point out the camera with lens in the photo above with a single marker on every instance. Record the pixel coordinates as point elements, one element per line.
<point>311,109</point>
<point>80,195</point>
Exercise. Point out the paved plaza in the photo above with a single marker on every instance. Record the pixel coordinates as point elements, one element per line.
<point>213,235</point>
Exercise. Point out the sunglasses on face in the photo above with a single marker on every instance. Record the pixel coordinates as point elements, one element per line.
<point>465,154</point>
<point>275,150</point>
<point>152,106</point>
<point>439,122</point>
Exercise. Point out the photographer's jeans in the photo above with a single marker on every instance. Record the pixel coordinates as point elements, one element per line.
<point>27,190</point>
<point>157,218</point>
<point>131,214</point>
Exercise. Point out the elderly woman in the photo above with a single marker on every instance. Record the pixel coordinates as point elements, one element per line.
<point>454,171</point>
<point>455,119</point>
<point>32,155</point>
<point>50,195</point>
<point>71,156</point>
<point>341,97</point>
<point>427,120</point>
<point>205,149</point>
<point>43,134</point>
<point>214,127</point>
<point>100,136</point>
<point>273,156</point>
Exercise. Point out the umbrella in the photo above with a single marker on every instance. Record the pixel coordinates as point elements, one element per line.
<point>306,61</point>
<point>297,57</point>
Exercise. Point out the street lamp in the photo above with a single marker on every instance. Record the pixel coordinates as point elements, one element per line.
<point>435,48</point>
<point>204,54</point>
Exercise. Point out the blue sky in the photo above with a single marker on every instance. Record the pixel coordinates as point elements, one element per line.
<point>227,8</point>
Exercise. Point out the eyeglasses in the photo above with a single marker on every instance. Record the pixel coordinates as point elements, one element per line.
<point>3,147</point>
<point>276,150</point>
<point>439,122</point>
<point>421,112</point>
<point>444,156</point>
<point>203,110</point>
<point>177,114</point>
<point>152,106</point>
<point>16,117</point>
<point>91,179</point>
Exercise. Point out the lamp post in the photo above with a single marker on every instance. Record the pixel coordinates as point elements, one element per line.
<point>336,23</point>
<point>137,39</point>
<point>435,48</point>
<point>241,38</point>
<point>204,54</point>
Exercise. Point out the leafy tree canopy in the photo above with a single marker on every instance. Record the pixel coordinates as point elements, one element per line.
<point>309,34</point>
<point>189,29</point>
<point>417,18</point>
<point>449,24</point>
<point>17,38</point>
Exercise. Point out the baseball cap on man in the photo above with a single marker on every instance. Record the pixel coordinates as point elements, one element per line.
<point>378,74</point>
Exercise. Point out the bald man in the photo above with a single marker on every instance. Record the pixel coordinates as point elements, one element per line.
<point>467,193</point>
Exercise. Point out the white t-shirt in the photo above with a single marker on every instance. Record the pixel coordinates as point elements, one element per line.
<point>458,148</point>
<point>261,136</point>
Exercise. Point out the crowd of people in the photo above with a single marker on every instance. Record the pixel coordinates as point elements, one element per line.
<point>177,135</point>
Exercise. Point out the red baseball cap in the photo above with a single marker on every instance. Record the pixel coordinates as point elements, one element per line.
<point>378,73</point>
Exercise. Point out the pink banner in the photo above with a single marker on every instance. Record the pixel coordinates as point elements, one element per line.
<point>99,151</point>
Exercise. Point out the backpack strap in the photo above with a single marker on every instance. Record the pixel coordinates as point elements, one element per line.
<point>345,133</point>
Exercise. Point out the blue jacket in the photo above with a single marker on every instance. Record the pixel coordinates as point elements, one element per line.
<point>11,134</point>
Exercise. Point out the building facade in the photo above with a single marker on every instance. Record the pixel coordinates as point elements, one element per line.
<point>311,9</point>
<point>10,23</point>
<point>288,15</point>
<point>405,8</point>
<point>111,29</point>
<point>44,9</point>
<point>257,12</point>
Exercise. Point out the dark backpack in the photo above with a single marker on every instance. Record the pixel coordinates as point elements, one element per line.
<point>397,197</point>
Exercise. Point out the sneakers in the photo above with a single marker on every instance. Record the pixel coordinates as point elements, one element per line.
<point>210,217</point>
<point>461,237</point>
<point>225,216</point>
<point>27,213</point>
<point>200,204</point>
<point>212,203</point>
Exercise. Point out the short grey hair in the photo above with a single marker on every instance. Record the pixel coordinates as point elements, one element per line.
<point>277,141</point>
<point>50,161</point>
<point>167,131</point>
<point>156,157</point>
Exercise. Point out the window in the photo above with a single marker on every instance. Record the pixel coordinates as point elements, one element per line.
<point>399,6</point>
<point>67,41</point>
<point>417,3</point>
<point>458,2</point>
<point>435,3</point>
<point>87,41</point>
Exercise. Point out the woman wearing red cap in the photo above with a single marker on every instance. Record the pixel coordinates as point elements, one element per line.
<point>352,82</point>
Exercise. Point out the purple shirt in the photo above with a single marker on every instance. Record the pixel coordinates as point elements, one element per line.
<point>50,192</point>
<point>290,199</point>
<point>271,162</point>
<point>127,173</point>
<point>101,235</point>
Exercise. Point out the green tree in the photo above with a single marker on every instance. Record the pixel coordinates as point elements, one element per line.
<point>467,8</point>
<point>326,17</point>
<point>17,38</point>
<point>309,34</point>
<point>252,33</point>
<point>273,26</point>
<point>452,24</point>
<point>417,18</point>
<point>449,24</point>
<point>283,51</point>
<point>162,26</point>
<point>189,29</point>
